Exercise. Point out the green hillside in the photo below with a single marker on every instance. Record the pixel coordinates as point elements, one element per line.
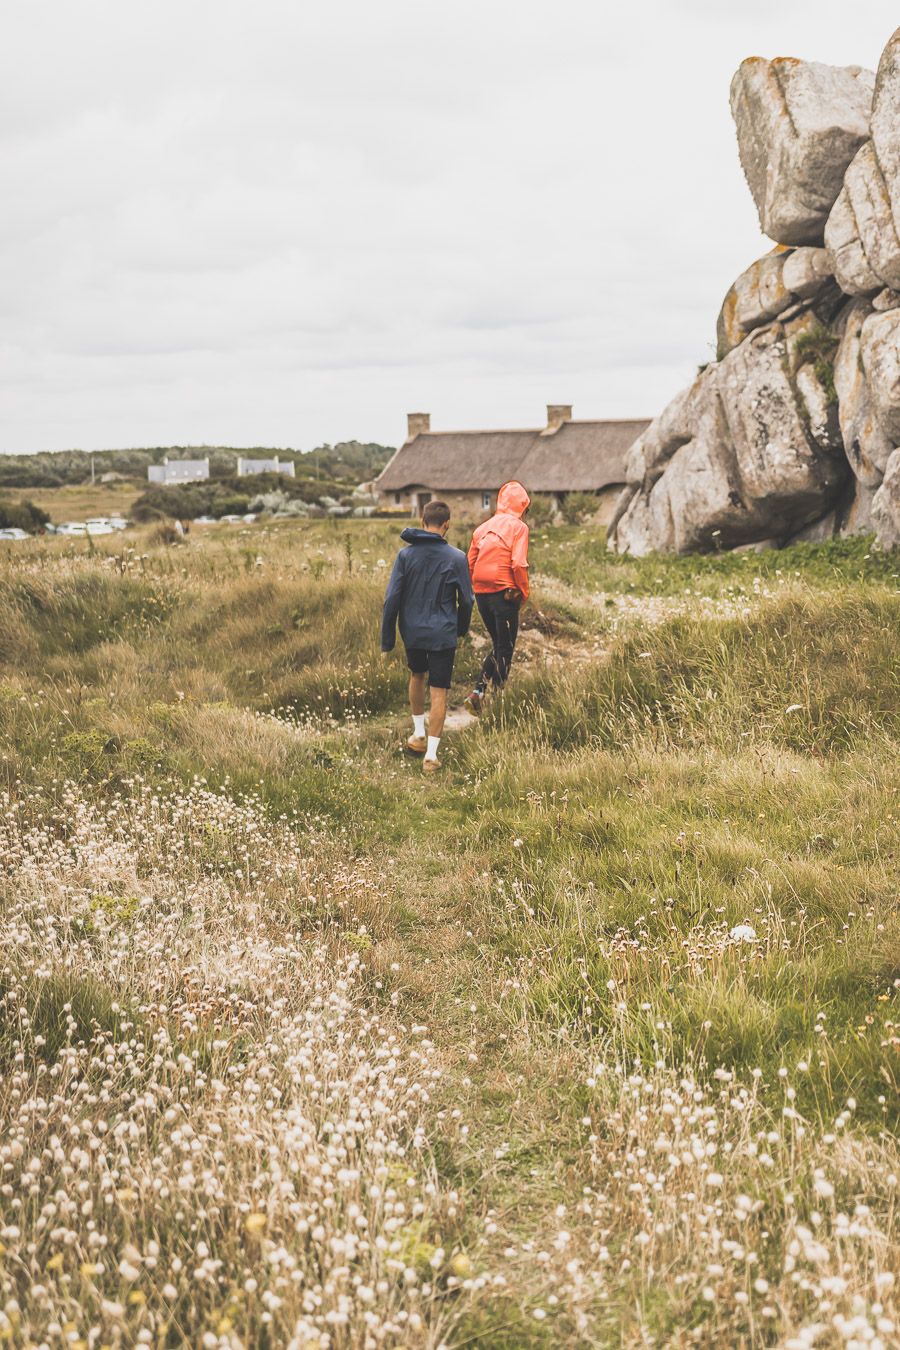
<point>592,1041</point>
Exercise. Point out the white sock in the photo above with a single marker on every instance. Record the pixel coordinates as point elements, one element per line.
<point>418,724</point>
<point>433,743</point>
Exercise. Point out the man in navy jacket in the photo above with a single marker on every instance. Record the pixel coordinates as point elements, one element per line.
<point>430,593</point>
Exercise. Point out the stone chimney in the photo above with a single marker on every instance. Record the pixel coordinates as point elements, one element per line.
<point>557,413</point>
<point>416,423</point>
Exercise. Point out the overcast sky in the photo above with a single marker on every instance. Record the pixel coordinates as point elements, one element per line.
<point>292,221</point>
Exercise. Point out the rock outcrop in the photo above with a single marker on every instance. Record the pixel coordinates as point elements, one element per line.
<point>886,504</point>
<point>862,233</point>
<point>770,286</point>
<point>866,444</point>
<point>799,124</point>
<point>793,432</point>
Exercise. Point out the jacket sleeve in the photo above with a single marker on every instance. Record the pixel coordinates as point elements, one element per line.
<point>474,549</point>
<point>465,598</point>
<point>392,599</point>
<point>519,560</point>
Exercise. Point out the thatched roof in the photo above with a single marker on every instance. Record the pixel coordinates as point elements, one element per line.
<point>455,460</point>
<point>578,456</point>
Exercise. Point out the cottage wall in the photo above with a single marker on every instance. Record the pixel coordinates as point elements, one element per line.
<point>469,505</point>
<point>464,505</point>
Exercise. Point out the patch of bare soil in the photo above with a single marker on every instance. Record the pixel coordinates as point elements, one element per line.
<point>458,718</point>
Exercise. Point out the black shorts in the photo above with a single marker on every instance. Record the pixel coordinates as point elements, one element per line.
<point>437,665</point>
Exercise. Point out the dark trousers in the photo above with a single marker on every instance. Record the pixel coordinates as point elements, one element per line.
<point>501,619</point>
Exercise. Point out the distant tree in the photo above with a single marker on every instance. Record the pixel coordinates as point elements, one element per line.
<point>22,515</point>
<point>347,463</point>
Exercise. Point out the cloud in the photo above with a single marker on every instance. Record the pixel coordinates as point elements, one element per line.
<point>287,223</point>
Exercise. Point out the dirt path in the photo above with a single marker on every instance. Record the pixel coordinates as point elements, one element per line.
<point>459,718</point>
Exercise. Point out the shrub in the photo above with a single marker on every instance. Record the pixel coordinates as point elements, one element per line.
<point>216,497</point>
<point>541,512</point>
<point>22,515</point>
<point>578,507</point>
<point>183,502</point>
<point>271,502</point>
<point>166,534</point>
<point>232,496</point>
<point>818,347</point>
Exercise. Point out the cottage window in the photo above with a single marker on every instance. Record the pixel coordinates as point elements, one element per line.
<point>396,498</point>
<point>485,501</point>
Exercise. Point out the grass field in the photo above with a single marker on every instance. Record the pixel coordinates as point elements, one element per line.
<point>300,1048</point>
<point>83,500</point>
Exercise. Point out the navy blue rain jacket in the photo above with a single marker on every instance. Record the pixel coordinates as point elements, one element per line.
<point>430,592</point>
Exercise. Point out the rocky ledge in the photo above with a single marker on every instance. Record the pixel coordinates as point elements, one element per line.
<point>793,432</point>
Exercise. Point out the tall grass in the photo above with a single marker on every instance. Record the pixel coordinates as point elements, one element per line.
<point>591,1042</point>
<point>806,670</point>
<point>581,556</point>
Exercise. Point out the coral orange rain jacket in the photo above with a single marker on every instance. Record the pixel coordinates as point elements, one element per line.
<point>498,554</point>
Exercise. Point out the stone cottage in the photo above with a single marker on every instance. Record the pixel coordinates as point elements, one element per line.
<point>466,468</point>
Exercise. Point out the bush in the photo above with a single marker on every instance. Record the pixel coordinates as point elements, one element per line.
<point>541,512</point>
<point>216,497</point>
<point>577,507</point>
<point>229,496</point>
<point>271,502</point>
<point>22,515</point>
<point>279,504</point>
<point>165,534</point>
<point>818,347</point>
<point>15,474</point>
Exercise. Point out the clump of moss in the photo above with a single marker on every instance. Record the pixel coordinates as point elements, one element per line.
<point>817,347</point>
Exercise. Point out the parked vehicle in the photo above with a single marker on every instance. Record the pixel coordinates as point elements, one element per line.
<point>13,532</point>
<point>103,524</point>
<point>76,528</point>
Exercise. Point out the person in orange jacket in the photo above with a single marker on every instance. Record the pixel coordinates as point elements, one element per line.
<point>498,563</point>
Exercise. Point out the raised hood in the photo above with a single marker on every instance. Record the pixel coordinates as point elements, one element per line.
<point>513,498</point>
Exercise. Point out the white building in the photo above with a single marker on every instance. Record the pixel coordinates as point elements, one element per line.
<point>178,471</point>
<point>245,467</point>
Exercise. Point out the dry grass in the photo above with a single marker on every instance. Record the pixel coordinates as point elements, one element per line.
<point>83,500</point>
<point>301,1050</point>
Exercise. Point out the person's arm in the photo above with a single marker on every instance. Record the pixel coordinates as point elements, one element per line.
<point>474,549</point>
<point>391,611</point>
<point>465,599</point>
<point>519,561</point>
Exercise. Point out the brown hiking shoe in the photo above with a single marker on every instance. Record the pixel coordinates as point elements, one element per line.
<point>474,703</point>
<point>431,765</point>
<point>416,745</point>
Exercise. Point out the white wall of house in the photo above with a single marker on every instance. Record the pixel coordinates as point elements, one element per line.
<point>246,467</point>
<point>178,471</point>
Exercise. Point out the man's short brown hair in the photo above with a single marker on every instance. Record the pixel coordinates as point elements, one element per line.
<point>435,513</point>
